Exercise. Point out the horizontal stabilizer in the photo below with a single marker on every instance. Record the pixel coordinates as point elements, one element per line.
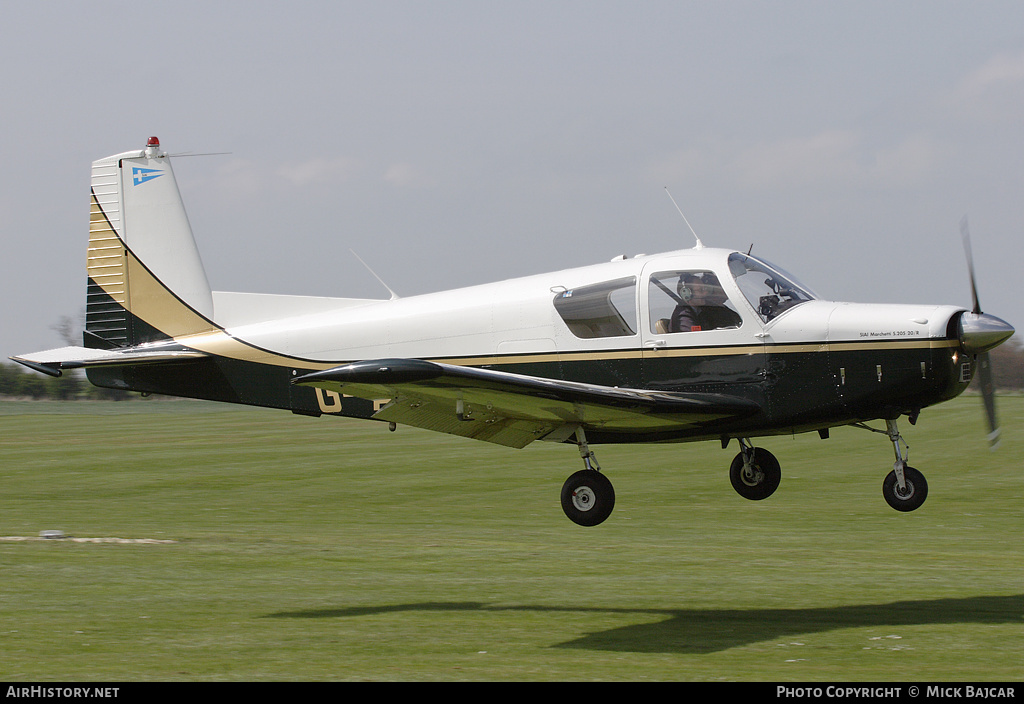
<point>53,361</point>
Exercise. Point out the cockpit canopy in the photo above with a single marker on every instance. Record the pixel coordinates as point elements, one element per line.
<point>680,299</point>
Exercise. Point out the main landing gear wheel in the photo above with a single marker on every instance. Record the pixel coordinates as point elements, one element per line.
<point>588,497</point>
<point>755,473</point>
<point>911,496</point>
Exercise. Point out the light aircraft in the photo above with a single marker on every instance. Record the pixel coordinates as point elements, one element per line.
<point>698,344</point>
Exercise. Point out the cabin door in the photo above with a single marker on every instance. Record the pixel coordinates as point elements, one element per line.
<point>697,332</point>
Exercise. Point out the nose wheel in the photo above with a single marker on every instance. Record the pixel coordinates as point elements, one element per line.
<point>904,488</point>
<point>908,496</point>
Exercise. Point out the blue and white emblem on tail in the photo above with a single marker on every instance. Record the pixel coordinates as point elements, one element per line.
<point>140,175</point>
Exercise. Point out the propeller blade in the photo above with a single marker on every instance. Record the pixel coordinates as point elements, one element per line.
<point>965,233</point>
<point>988,398</point>
<point>979,334</point>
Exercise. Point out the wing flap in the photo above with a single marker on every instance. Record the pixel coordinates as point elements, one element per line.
<point>514,409</point>
<point>485,425</point>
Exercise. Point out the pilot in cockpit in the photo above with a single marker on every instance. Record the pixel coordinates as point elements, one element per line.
<point>701,304</point>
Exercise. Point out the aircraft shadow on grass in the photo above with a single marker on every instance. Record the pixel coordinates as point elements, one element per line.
<point>697,631</point>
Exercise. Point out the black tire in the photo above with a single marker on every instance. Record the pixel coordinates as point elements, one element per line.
<point>766,477</point>
<point>588,497</point>
<point>915,494</point>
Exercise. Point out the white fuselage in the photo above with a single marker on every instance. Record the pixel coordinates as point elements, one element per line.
<point>517,317</point>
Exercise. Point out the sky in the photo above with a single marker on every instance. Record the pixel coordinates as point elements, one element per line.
<point>453,142</point>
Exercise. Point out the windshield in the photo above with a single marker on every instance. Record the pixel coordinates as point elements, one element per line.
<point>768,289</point>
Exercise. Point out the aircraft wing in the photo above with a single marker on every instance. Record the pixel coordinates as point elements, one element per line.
<point>514,409</point>
<point>53,361</point>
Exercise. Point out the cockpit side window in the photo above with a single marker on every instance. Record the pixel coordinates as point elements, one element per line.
<point>689,301</point>
<point>603,310</point>
<point>769,290</point>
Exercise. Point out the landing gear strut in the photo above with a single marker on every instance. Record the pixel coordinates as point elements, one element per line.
<point>755,473</point>
<point>904,488</point>
<point>587,496</point>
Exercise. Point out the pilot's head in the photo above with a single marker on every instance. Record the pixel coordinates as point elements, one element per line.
<point>685,286</point>
<point>701,289</point>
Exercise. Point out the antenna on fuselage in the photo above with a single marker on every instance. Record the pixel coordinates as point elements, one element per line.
<point>394,296</point>
<point>699,245</point>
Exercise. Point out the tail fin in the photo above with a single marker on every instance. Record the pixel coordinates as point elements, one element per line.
<point>146,279</point>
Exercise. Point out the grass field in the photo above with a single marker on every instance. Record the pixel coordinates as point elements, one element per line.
<point>291,548</point>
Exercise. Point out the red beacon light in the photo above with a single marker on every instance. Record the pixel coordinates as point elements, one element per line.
<point>153,148</point>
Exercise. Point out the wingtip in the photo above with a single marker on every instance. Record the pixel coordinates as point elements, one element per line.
<point>48,369</point>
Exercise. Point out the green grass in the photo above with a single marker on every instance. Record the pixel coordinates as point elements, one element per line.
<point>326,549</point>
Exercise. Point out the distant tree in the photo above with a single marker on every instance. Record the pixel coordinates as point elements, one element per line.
<point>10,377</point>
<point>1008,365</point>
<point>70,328</point>
<point>32,385</point>
<point>16,382</point>
<point>67,387</point>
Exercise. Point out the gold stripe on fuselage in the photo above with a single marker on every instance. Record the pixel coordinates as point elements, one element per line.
<point>221,344</point>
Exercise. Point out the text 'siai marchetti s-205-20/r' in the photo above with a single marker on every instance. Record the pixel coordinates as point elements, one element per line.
<point>699,344</point>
